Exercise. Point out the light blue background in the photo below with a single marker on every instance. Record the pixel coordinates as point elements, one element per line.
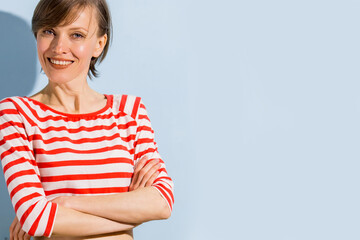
<point>256,110</point>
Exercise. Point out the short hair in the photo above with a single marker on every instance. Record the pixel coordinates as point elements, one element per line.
<point>52,13</point>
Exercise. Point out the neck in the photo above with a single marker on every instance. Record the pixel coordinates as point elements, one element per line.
<point>72,99</point>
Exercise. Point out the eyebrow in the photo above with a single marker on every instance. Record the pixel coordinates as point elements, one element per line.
<point>77,28</point>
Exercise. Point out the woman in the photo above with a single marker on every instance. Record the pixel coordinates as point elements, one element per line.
<point>79,163</point>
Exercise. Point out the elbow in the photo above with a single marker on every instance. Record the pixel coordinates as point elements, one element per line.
<point>165,209</point>
<point>165,212</point>
<point>164,203</point>
<point>37,218</point>
<point>162,210</point>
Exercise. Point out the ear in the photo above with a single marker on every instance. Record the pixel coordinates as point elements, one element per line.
<point>100,44</point>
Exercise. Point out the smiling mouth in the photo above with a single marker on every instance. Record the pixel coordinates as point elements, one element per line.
<point>59,63</point>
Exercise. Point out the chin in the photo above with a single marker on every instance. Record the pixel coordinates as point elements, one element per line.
<point>58,79</point>
<point>63,78</point>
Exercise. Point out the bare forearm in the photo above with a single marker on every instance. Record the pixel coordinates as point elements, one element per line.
<point>69,222</point>
<point>135,207</point>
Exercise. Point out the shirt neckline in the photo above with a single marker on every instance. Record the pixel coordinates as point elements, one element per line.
<point>109,103</point>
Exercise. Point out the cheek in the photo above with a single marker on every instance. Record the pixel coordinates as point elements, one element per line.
<point>82,50</point>
<point>85,52</point>
<point>42,47</point>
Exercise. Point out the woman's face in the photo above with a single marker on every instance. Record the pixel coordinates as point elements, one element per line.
<point>65,52</point>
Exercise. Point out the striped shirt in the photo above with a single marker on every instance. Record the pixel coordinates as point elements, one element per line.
<point>46,154</point>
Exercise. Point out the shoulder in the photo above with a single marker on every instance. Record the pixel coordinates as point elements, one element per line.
<point>10,103</point>
<point>11,108</point>
<point>19,107</point>
<point>128,104</point>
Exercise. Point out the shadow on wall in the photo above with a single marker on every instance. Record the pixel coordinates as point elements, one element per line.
<point>17,78</point>
<point>18,56</point>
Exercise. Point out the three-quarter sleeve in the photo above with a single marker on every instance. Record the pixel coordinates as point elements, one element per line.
<point>145,145</point>
<point>35,213</point>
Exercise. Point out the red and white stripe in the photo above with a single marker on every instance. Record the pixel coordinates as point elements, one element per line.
<point>46,154</point>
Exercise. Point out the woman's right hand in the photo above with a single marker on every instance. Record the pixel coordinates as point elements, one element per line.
<point>16,233</point>
<point>145,173</point>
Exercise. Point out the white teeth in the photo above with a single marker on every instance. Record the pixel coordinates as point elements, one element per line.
<point>60,62</point>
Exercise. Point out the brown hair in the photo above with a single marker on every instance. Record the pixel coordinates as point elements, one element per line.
<point>52,13</point>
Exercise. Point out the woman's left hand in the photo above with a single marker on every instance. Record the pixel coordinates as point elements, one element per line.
<point>145,173</point>
<point>16,233</point>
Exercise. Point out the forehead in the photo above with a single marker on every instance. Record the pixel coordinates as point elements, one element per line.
<point>82,17</point>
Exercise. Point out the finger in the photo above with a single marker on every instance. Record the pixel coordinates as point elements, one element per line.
<point>137,168</point>
<point>140,174</point>
<point>136,174</point>
<point>21,234</point>
<point>147,172</point>
<point>140,164</point>
<point>149,175</point>
<point>16,231</point>
<point>143,172</point>
<point>12,227</point>
<point>152,179</point>
<point>27,237</point>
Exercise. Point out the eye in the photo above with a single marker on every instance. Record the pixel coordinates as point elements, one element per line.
<point>48,32</point>
<point>78,35</point>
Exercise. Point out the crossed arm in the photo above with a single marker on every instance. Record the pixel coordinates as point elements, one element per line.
<point>94,215</point>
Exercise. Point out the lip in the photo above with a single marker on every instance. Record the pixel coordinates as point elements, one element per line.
<point>58,66</point>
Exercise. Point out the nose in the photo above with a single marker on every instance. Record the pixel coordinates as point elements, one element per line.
<point>59,45</point>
